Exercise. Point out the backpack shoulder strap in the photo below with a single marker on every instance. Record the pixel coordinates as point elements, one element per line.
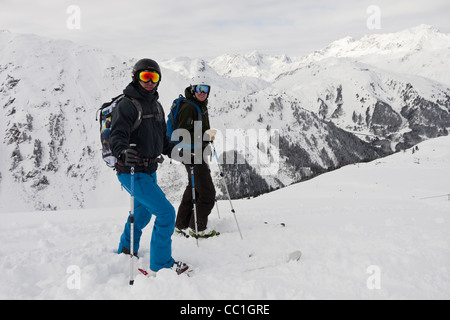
<point>158,116</point>
<point>138,106</point>
<point>160,109</point>
<point>199,111</point>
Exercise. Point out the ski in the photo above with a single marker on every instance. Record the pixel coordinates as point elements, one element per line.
<point>182,233</point>
<point>146,273</point>
<point>186,235</point>
<point>295,255</point>
<point>291,257</point>
<point>208,236</point>
<point>151,274</point>
<point>282,224</point>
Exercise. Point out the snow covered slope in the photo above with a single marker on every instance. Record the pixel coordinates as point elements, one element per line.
<point>376,230</point>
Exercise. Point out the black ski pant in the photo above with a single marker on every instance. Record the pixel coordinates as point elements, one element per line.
<point>205,195</point>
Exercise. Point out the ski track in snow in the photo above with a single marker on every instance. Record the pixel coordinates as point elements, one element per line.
<point>344,222</point>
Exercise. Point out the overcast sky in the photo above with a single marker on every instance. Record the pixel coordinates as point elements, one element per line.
<point>163,29</point>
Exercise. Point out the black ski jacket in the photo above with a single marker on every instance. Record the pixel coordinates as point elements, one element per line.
<point>150,137</point>
<point>188,114</point>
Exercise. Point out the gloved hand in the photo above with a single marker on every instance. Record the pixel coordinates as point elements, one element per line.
<point>129,157</point>
<point>210,135</point>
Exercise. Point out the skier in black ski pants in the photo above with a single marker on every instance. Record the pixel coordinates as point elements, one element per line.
<point>204,186</point>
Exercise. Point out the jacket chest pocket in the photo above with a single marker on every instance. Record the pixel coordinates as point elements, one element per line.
<point>157,117</point>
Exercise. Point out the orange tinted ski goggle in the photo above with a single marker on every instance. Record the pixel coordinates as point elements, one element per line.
<point>147,76</point>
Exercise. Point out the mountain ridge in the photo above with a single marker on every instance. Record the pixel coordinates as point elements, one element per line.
<point>50,91</point>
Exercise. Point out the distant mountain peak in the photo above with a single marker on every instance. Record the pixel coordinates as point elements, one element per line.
<point>425,27</point>
<point>422,37</point>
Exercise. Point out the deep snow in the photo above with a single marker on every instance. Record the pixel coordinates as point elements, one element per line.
<point>367,231</point>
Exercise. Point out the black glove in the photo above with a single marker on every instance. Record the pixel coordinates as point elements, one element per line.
<point>129,157</point>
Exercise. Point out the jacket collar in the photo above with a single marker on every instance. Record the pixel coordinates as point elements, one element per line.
<point>137,92</point>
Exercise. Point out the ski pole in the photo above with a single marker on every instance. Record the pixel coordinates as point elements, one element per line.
<point>132,228</point>
<point>217,205</point>
<point>218,213</point>
<point>194,201</point>
<point>226,189</point>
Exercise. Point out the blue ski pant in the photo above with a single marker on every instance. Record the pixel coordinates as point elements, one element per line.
<point>150,200</point>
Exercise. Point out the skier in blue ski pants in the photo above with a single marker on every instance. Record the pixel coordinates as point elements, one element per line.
<point>150,200</point>
<point>137,139</point>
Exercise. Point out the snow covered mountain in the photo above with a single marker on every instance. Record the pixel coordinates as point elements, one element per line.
<point>391,90</point>
<point>49,91</point>
<point>422,51</point>
<point>392,87</point>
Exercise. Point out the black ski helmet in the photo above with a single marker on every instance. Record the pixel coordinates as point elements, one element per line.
<point>146,64</point>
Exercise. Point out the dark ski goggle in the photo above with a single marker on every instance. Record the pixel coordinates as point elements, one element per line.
<point>202,88</point>
<point>147,76</point>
